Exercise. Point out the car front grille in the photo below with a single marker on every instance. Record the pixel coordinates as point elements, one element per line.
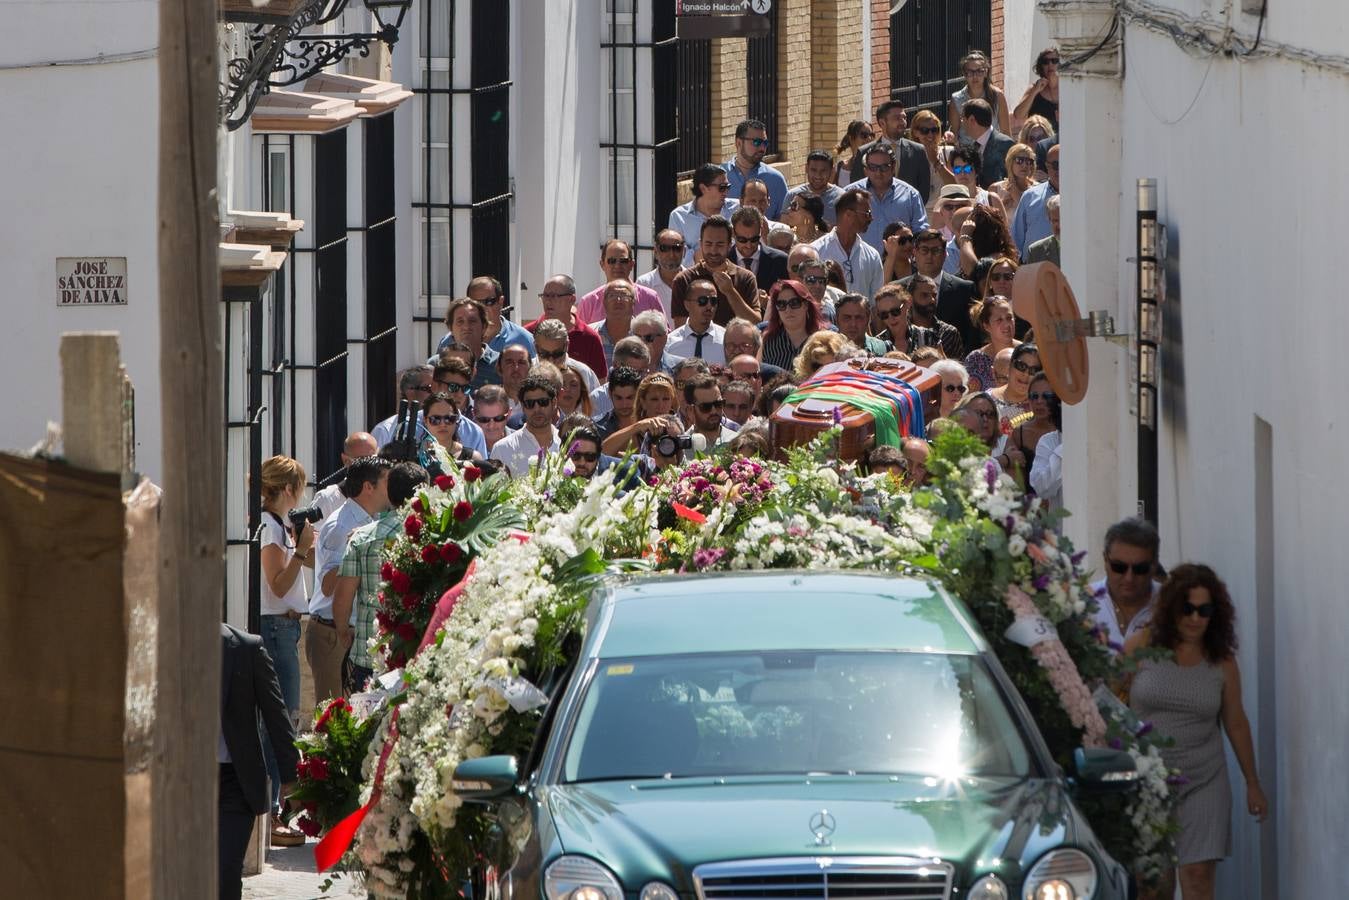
<point>825,878</point>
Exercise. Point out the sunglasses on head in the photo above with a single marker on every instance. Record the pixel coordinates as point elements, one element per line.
<point>792,303</point>
<point>618,260</point>
<point>954,388</point>
<point>671,248</point>
<point>1203,610</point>
<point>450,419</point>
<point>537,402</point>
<point>965,169</point>
<point>483,420</point>
<point>1046,396</point>
<point>710,405</point>
<point>1119,567</point>
<point>893,312</point>
<point>1025,367</point>
<point>583,456</point>
<point>704,300</point>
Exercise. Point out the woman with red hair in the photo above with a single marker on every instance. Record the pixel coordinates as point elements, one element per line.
<point>793,316</point>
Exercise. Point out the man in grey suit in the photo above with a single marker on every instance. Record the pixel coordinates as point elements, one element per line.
<point>1047,249</point>
<point>976,118</point>
<point>912,158</point>
<point>248,687</point>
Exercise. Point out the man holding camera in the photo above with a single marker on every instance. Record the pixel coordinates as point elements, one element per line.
<point>367,491</point>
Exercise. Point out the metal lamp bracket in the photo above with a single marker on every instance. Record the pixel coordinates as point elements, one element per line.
<point>1097,324</point>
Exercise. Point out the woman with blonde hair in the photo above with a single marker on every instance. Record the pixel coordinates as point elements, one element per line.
<point>1020,176</point>
<point>925,129</point>
<point>285,551</point>
<point>1034,130</point>
<point>821,349</point>
<point>978,75</point>
<point>656,405</point>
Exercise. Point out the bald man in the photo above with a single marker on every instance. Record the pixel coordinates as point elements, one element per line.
<point>357,444</point>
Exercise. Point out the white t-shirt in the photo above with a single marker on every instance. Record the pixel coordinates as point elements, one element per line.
<point>274,533</point>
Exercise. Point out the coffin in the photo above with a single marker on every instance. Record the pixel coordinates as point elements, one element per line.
<point>811,410</point>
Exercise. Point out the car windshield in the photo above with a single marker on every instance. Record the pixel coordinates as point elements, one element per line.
<point>793,713</point>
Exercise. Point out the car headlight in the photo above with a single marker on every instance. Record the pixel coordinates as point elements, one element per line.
<point>1065,874</point>
<point>656,891</point>
<point>990,887</point>
<point>580,878</point>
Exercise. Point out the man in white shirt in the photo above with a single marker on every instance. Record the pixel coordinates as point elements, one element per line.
<point>1124,597</point>
<point>367,491</point>
<point>710,187</point>
<point>520,449</point>
<point>844,245</point>
<point>703,400</point>
<point>669,255</point>
<point>357,444</point>
<point>699,337</point>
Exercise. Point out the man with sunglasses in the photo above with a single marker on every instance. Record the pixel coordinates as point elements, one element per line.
<point>767,264</point>
<point>616,262</point>
<point>751,146</point>
<point>1031,222</point>
<point>655,333</point>
<point>1124,597</point>
<point>518,450</point>
<point>819,183</point>
<point>669,256</point>
<point>702,399</point>
<point>699,336</point>
<point>711,197</point>
<point>892,200</point>
<point>491,409</point>
<point>583,343</point>
<point>737,291</point>
<point>845,245</point>
<point>912,158</point>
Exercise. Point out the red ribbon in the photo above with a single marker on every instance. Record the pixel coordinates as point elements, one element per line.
<point>337,841</point>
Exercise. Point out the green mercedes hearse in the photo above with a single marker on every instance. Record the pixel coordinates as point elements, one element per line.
<point>788,736</point>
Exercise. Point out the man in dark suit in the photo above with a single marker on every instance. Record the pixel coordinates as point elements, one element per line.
<point>976,119</point>
<point>955,295</point>
<point>767,264</point>
<point>912,158</point>
<point>248,687</point>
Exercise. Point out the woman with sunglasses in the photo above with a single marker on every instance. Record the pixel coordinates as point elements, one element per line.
<point>995,319</point>
<point>1042,97</point>
<point>858,135</point>
<point>1034,130</point>
<point>793,316</point>
<point>966,160</point>
<point>897,258</point>
<point>805,216</point>
<point>1194,697</point>
<point>955,381</point>
<point>925,129</point>
<point>1031,420</point>
<point>1046,468</point>
<point>1013,396</point>
<point>655,408</point>
<point>977,71</point>
<point>442,419</point>
<point>1020,176</point>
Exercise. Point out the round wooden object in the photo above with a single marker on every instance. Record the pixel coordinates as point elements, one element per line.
<point>1042,296</point>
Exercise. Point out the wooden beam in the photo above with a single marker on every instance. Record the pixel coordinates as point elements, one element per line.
<point>192,572</point>
<point>91,400</point>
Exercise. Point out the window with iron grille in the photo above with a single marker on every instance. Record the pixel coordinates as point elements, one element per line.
<point>694,101</point>
<point>927,40</point>
<point>330,296</point>
<point>381,269</point>
<point>761,76</point>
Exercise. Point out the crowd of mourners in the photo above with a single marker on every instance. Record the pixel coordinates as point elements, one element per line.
<point>902,242</point>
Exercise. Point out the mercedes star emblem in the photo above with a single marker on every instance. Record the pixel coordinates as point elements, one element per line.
<point>822,825</point>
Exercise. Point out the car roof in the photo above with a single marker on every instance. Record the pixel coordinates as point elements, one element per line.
<point>777,610</point>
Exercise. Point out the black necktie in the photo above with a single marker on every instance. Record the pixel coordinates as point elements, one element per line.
<point>698,348</point>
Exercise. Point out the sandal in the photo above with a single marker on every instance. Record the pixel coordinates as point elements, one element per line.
<point>283,835</point>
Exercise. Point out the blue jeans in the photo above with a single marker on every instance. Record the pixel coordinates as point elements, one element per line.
<point>281,638</point>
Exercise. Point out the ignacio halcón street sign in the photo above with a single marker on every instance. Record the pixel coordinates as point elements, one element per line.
<point>91,281</point>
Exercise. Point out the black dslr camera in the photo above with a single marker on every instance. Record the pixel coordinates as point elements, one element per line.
<point>298,517</point>
<point>672,444</point>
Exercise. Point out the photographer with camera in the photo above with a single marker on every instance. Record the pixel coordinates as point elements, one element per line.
<point>367,491</point>
<point>287,547</point>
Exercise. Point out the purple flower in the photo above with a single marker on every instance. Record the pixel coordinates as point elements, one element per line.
<point>1177,780</point>
<point>991,474</point>
<point>1042,581</point>
<point>1079,556</point>
<point>1143,728</point>
<point>1116,744</point>
<point>838,415</point>
<point>704,559</point>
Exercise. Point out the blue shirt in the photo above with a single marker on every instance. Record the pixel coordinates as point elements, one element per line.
<point>510,333</point>
<point>468,433</point>
<point>829,196</point>
<point>1030,223</point>
<point>689,222</point>
<point>952,263</point>
<point>900,203</point>
<point>777,184</point>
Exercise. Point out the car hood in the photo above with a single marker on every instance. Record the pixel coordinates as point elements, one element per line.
<point>647,830</point>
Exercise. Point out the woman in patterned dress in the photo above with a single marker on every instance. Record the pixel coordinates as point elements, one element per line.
<point>1193,698</point>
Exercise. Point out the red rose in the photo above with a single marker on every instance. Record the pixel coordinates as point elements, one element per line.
<point>308,826</point>
<point>462,510</point>
<point>413,526</point>
<point>430,553</point>
<point>312,808</point>
<point>386,571</point>
<point>302,769</point>
<point>405,631</point>
<point>450,553</point>
<point>318,769</point>
<point>337,704</point>
<point>472,473</point>
<point>400,582</point>
<point>385,623</point>
<point>381,599</point>
<point>444,482</point>
<point>410,601</point>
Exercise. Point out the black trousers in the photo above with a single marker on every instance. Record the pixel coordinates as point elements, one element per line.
<point>236,825</point>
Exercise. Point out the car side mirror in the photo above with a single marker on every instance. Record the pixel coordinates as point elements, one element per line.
<point>1102,769</point>
<point>486,778</point>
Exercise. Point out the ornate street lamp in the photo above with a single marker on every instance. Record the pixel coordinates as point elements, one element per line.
<point>281,53</point>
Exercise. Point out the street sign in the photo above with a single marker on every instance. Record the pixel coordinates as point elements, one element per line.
<point>723,18</point>
<point>91,281</point>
